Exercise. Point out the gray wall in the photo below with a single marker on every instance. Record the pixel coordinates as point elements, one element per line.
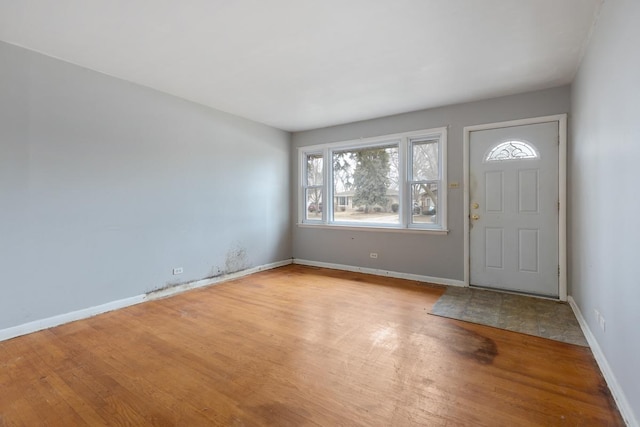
<point>105,186</point>
<point>605,197</point>
<point>439,256</point>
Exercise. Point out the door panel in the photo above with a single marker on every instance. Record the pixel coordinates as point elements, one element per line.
<point>494,184</point>
<point>528,250</point>
<point>513,237</point>
<point>528,191</point>
<point>494,248</point>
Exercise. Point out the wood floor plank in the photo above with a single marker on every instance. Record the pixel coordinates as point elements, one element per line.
<point>103,393</point>
<point>297,346</point>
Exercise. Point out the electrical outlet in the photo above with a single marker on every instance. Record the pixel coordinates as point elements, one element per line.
<point>597,314</point>
<point>602,323</point>
<point>373,255</point>
<point>177,270</point>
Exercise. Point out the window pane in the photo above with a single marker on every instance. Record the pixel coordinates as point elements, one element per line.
<point>313,204</point>
<point>366,184</point>
<point>424,203</point>
<point>425,160</point>
<point>314,169</point>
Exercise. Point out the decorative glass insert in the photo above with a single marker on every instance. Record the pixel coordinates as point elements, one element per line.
<point>511,150</point>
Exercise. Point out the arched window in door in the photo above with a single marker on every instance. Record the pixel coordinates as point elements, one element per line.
<point>511,150</point>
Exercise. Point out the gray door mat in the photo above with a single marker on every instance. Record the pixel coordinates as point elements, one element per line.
<point>528,315</point>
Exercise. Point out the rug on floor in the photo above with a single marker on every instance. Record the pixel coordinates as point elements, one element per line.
<point>518,313</point>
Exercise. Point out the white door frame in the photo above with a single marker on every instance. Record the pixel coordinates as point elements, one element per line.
<point>561,119</point>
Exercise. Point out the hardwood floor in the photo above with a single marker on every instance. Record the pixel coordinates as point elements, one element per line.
<point>297,346</point>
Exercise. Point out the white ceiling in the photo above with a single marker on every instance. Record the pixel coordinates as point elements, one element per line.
<point>303,64</point>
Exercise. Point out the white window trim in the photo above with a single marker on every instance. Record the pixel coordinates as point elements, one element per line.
<point>376,228</point>
<point>403,140</point>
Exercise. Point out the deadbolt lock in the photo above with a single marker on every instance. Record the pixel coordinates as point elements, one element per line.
<point>475,206</point>
<point>475,217</point>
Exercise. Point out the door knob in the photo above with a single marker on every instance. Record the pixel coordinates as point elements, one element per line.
<point>475,206</point>
<point>475,217</point>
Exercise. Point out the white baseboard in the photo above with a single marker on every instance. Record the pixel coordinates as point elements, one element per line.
<point>377,272</point>
<point>616,391</point>
<point>50,322</point>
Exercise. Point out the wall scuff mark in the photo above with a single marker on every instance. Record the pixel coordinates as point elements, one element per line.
<point>236,260</point>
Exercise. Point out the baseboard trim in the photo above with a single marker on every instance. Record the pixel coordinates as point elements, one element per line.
<point>378,272</point>
<point>607,372</point>
<point>50,322</point>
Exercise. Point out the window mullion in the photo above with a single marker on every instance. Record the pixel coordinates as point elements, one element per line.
<point>302,203</point>
<point>403,187</point>
<point>442,185</point>
<point>327,211</point>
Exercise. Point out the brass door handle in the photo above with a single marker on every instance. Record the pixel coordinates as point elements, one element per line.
<point>475,217</point>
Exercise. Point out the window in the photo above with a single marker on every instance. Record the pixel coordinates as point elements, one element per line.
<point>313,187</point>
<point>424,181</point>
<point>365,185</point>
<point>394,181</point>
<point>511,150</point>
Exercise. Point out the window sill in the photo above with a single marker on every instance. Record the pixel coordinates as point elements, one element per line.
<point>369,229</point>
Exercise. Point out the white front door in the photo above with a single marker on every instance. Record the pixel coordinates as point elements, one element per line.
<point>513,212</point>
